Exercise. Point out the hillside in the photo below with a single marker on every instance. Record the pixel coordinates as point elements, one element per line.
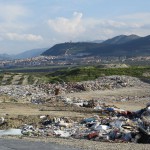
<point>4,57</point>
<point>17,79</point>
<point>90,73</point>
<point>69,48</point>
<point>73,74</point>
<point>121,39</point>
<point>23,55</point>
<point>119,46</point>
<point>30,53</point>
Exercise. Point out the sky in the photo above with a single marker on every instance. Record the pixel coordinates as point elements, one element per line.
<point>31,24</point>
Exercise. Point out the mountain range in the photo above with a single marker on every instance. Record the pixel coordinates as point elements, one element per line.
<point>23,55</point>
<point>5,57</point>
<point>30,53</point>
<point>122,45</point>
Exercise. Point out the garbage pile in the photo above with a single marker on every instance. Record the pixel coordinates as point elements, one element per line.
<point>102,83</point>
<point>37,93</point>
<point>77,101</point>
<point>115,125</point>
<point>20,92</point>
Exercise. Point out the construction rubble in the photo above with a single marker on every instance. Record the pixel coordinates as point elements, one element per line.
<point>115,125</point>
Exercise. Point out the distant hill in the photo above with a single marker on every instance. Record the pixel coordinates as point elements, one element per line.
<point>121,39</point>
<point>5,57</point>
<point>69,48</point>
<point>97,41</point>
<point>118,46</point>
<point>30,53</point>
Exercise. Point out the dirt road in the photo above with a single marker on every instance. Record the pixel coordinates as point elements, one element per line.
<point>66,144</point>
<point>14,144</point>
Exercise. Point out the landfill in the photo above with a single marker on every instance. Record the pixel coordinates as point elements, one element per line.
<point>115,125</point>
<point>38,93</point>
<point>109,123</point>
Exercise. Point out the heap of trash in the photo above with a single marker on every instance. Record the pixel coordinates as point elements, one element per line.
<point>23,92</point>
<point>101,83</point>
<point>113,125</point>
<point>39,92</point>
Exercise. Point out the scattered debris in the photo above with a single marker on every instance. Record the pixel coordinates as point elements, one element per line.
<point>111,124</point>
<point>121,127</point>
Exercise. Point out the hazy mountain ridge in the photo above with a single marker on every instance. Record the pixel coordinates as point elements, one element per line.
<point>121,45</point>
<point>30,53</point>
<point>5,57</point>
<point>23,55</point>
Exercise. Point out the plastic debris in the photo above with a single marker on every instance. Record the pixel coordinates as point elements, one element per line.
<point>120,127</point>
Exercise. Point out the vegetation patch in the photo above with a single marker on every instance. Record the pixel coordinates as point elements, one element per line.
<point>30,79</point>
<point>77,74</point>
<point>91,73</point>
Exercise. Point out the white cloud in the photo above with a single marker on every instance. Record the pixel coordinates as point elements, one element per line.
<point>10,15</point>
<point>10,27</point>
<point>79,28</point>
<point>116,24</point>
<point>82,29</point>
<point>67,26</point>
<point>23,37</point>
<point>137,20</point>
<point>11,12</point>
<point>138,16</point>
<point>104,23</point>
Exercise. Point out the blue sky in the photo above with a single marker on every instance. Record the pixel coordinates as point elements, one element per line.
<point>30,24</point>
